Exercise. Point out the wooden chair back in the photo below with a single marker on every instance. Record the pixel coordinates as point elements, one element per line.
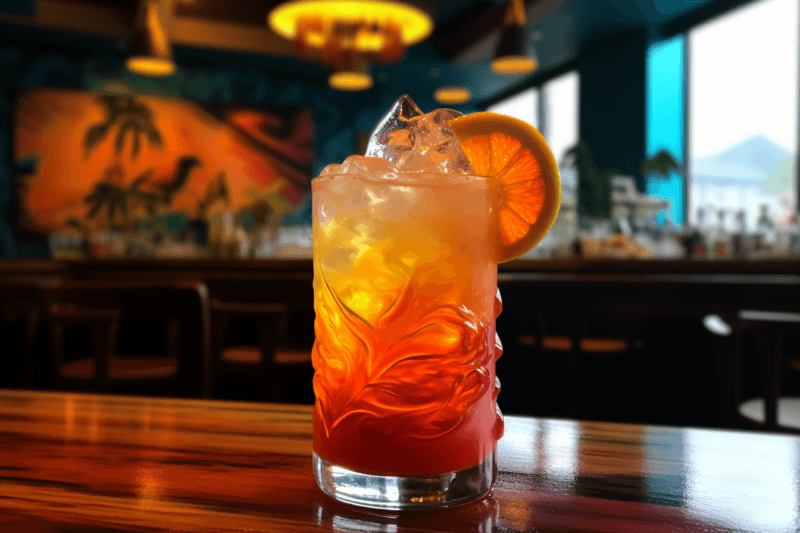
<point>269,302</point>
<point>568,344</point>
<point>183,307</point>
<point>772,411</point>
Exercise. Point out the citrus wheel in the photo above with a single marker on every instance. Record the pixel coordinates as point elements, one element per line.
<point>516,154</point>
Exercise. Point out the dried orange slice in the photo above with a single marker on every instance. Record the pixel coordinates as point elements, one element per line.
<point>516,154</point>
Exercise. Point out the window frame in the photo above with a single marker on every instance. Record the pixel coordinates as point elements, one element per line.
<point>680,26</point>
<point>538,83</point>
<point>683,26</point>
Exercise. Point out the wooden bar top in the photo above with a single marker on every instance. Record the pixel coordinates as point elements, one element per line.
<point>91,463</point>
<point>82,268</point>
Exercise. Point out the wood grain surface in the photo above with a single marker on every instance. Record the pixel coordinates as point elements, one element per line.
<point>92,463</point>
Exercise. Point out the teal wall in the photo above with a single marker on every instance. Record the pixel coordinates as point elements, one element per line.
<point>612,96</point>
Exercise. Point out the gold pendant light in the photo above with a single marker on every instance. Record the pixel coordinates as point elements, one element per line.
<point>511,56</point>
<point>452,95</point>
<point>151,54</point>
<point>347,35</point>
<point>353,78</point>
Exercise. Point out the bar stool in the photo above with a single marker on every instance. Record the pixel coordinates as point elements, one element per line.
<point>560,343</point>
<point>771,411</point>
<point>96,371</point>
<point>270,362</point>
<point>253,363</point>
<point>614,351</point>
<point>182,309</point>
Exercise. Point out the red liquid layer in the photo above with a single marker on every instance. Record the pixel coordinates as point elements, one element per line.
<point>465,446</point>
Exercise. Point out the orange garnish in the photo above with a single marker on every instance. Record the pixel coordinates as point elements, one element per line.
<point>516,154</point>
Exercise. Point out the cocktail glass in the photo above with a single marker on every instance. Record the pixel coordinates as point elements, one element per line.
<point>405,289</point>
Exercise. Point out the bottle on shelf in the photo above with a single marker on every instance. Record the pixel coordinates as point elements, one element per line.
<point>720,238</point>
<point>740,240</point>
<point>794,236</point>
<point>697,239</point>
<point>766,234</point>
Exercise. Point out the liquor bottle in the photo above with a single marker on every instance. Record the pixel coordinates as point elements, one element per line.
<point>720,239</point>
<point>740,240</point>
<point>697,238</point>
<point>794,236</point>
<point>766,234</point>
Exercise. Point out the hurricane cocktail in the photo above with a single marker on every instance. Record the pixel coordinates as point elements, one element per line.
<point>406,245</point>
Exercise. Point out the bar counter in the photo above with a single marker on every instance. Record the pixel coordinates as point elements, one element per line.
<point>111,266</point>
<point>92,463</point>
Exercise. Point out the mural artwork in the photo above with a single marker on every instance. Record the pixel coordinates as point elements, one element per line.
<point>101,161</point>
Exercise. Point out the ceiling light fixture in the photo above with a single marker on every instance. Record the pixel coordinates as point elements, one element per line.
<point>356,78</point>
<point>151,53</point>
<point>511,57</point>
<point>346,34</point>
<point>452,95</point>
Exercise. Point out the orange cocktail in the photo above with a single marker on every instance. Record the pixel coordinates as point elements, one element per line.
<point>405,346</point>
<point>406,247</point>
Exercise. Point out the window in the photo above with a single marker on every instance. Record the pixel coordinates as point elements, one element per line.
<point>561,104</point>
<point>523,105</point>
<point>743,109</point>
<point>665,127</point>
<point>561,99</point>
<point>557,119</point>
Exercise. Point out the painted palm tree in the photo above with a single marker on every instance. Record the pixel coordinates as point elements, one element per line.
<point>149,199</point>
<point>132,119</point>
<point>181,176</point>
<point>216,190</point>
<point>25,170</point>
<point>164,192</point>
<point>108,195</point>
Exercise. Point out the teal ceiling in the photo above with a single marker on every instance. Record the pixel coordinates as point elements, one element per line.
<point>563,28</point>
<point>458,52</point>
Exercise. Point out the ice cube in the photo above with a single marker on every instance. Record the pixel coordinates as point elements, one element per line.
<point>414,142</point>
<point>339,259</point>
<point>324,209</point>
<point>358,164</point>
<point>357,201</point>
<point>436,148</point>
<point>390,139</point>
<point>330,169</point>
<point>392,203</point>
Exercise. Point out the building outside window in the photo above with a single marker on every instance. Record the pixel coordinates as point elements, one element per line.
<point>743,115</point>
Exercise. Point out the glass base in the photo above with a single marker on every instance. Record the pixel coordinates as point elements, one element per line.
<point>393,492</point>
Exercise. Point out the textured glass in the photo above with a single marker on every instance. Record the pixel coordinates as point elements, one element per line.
<point>405,294</point>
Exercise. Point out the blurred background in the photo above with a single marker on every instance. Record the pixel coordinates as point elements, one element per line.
<point>174,141</point>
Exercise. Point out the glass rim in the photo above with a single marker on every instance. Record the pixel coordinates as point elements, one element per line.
<point>449,179</point>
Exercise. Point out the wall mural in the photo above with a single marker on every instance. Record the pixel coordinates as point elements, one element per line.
<point>99,161</point>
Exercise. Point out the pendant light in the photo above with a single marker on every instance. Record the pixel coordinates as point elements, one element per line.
<point>151,53</point>
<point>348,35</point>
<point>452,95</point>
<point>511,56</point>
